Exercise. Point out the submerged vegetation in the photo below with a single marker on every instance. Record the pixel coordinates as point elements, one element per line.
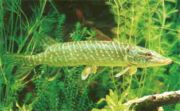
<point>24,29</point>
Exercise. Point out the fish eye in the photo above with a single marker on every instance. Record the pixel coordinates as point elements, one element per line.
<point>148,54</point>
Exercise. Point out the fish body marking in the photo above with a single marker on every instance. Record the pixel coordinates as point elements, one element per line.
<point>97,53</point>
<point>85,53</point>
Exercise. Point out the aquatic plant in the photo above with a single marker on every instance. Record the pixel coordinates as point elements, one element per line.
<point>153,24</point>
<point>23,30</point>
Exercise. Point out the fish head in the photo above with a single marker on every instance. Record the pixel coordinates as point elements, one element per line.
<point>142,57</point>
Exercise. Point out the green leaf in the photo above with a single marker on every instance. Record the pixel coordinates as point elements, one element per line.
<point>172,1</point>
<point>177,107</point>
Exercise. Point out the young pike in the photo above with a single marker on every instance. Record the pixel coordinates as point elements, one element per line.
<point>95,53</point>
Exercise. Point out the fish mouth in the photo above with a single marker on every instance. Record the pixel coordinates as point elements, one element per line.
<point>166,61</point>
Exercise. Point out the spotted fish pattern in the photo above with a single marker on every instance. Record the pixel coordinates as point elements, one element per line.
<point>93,53</point>
<point>98,53</point>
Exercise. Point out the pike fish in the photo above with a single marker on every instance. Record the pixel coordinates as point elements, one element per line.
<point>95,53</point>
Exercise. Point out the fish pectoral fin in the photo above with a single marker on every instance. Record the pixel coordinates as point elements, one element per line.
<point>87,71</point>
<point>132,70</point>
<point>122,72</point>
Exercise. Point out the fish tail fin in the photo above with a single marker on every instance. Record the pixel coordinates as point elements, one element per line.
<point>16,59</point>
<point>12,59</point>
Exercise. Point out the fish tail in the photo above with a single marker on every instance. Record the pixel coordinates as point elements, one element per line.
<point>17,59</point>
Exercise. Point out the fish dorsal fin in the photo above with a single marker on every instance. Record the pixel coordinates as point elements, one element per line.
<point>47,41</point>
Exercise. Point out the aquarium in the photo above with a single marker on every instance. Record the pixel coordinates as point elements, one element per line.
<point>89,55</point>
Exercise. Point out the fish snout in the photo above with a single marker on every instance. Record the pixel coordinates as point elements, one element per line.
<point>162,61</point>
<point>166,61</point>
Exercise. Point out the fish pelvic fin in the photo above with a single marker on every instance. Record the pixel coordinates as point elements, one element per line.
<point>87,71</point>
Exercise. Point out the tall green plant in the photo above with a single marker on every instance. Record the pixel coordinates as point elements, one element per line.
<point>152,24</point>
